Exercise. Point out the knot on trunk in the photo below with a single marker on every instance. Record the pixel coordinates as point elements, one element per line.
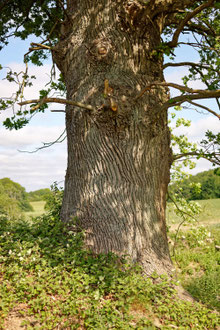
<point>100,49</point>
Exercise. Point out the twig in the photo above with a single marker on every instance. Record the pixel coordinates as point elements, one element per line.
<point>60,139</point>
<point>180,224</point>
<point>57,111</point>
<point>204,107</point>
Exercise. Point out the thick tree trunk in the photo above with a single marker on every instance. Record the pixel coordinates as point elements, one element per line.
<point>118,159</point>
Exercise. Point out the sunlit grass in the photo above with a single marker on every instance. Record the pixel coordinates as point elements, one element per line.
<point>38,209</point>
<point>210,212</point>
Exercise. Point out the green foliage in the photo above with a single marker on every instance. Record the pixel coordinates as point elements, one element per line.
<point>8,205</point>
<point>23,18</point>
<point>39,195</point>
<point>205,185</point>
<point>13,198</point>
<point>54,200</point>
<point>52,281</point>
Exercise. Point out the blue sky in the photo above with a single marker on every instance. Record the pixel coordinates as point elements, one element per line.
<point>41,169</point>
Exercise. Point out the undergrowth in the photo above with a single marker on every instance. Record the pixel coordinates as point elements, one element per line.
<point>52,282</point>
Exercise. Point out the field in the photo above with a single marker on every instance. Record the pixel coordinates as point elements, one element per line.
<point>38,209</point>
<point>210,213</point>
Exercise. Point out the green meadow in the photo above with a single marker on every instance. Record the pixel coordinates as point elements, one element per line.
<point>210,213</point>
<point>38,208</point>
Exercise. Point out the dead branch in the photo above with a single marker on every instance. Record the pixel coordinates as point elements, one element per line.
<point>204,107</point>
<point>55,100</point>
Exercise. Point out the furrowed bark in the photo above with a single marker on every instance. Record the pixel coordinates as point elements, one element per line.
<point>118,161</point>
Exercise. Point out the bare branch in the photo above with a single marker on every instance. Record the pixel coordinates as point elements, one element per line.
<point>186,64</point>
<point>55,100</point>
<point>36,46</point>
<point>215,161</point>
<point>173,85</point>
<point>197,45</point>
<point>199,28</point>
<point>57,111</point>
<point>41,46</point>
<point>173,43</point>
<point>205,94</point>
<point>60,139</point>
<point>195,94</point>
<point>205,108</point>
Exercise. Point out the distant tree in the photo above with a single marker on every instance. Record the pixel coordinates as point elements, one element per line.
<point>39,195</point>
<point>13,196</point>
<point>111,58</point>
<point>8,205</point>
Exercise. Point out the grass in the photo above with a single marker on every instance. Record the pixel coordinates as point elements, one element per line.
<point>210,212</point>
<point>197,262</point>
<point>38,209</point>
<point>49,281</point>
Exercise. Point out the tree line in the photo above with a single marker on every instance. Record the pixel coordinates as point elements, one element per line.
<point>204,185</point>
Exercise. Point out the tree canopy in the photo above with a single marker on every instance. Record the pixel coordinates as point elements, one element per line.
<point>39,195</point>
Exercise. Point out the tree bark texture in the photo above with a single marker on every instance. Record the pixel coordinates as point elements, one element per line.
<point>119,155</point>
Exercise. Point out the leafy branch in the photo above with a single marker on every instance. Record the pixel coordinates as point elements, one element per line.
<point>173,43</point>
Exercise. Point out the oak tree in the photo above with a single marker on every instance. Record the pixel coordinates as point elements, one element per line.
<point>111,58</point>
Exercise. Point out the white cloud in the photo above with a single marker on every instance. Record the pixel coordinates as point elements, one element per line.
<point>198,128</point>
<point>176,75</point>
<point>29,136</point>
<point>34,171</point>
